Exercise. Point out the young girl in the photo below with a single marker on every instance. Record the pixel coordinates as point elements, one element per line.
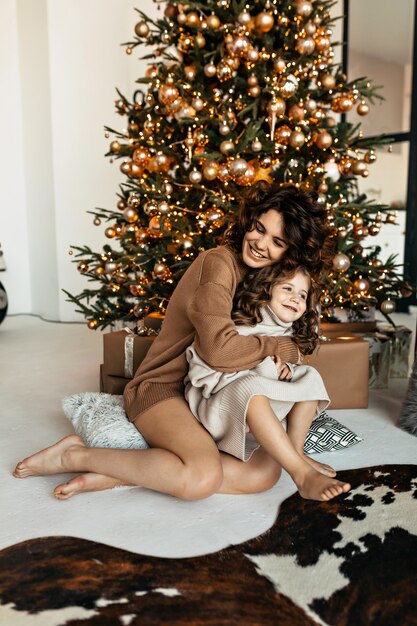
<point>275,224</point>
<point>227,404</point>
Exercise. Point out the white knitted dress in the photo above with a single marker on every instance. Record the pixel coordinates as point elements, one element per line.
<point>219,400</point>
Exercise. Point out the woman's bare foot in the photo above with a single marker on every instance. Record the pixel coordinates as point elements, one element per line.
<point>322,468</point>
<point>86,482</point>
<point>49,460</point>
<point>315,486</point>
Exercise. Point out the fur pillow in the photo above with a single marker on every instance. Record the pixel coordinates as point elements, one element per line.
<point>100,419</point>
<point>408,415</point>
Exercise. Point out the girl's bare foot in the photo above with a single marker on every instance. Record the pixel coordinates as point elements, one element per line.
<point>86,482</point>
<point>322,468</point>
<point>49,460</point>
<point>315,486</point>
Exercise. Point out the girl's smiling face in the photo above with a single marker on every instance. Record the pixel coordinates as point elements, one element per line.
<point>289,298</point>
<point>265,244</point>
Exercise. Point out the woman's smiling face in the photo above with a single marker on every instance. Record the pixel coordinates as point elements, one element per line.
<point>265,244</point>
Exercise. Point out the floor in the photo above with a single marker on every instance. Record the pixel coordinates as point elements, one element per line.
<point>42,362</point>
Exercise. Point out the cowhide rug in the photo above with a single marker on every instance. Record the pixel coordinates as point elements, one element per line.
<point>352,561</point>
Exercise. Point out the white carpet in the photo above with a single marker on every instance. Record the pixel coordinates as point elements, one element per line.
<point>42,362</point>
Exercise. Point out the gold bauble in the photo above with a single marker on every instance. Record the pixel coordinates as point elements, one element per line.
<point>256,145</point>
<point>247,178</point>
<point>121,205</point>
<point>283,134</point>
<point>296,112</point>
<point>99,270</point>
<point>303,8</point>
<point>190,72</point>
<point>252,55</point>
<point>130,215</point>
<point>288,85</point>
<point>322,43</point>
<point>276,106</point>
<point>264,22</point>
<point>181,18</point>
<point>388,307</point>
<point>186,111</point>
<point>223,173</point>
<point>244,18</point>
<point>369,157</point>
<point>406,290</point>
<point>252,80</point>
<point>110,267</point>
<point>279,65</point>
<point>97,221</point>
<point>297,139</point>
<point>210,170</point>
<point>224,71</point>
<point>126,168</point>
<point>239,46</point>
<point>192,19</point>
<point>325,300</point>
<point>142,29</point>
<point>213,22</point>
<point>227,146</point>
<point>195,177</point>
<point>82,267</point>
<point>151,72</point>
<point>163,207</point>
<point>210,70</point>
<point>185,42</point>
<point>92,324</point>
<point>200,40</point>
<point>328,81</point>
<point>323,188</point>
<point>185,246</point>
<point>214,217</point>
<point>374,230</point>
<point>141,155</point>
<point>362,109</point>
<point>136,170</point>
<point>137,290</point>
<point>167,93</point>
<point>141,310</point>
<point>255,91</point>
<point>110,232</point>
<point>361,284</point>
<point>323,140</point>
<point>345,165</point>
<point>341,262</point>
<point>305,45</point>
<point>141,235</point>
<point>358,167</point>
<point>115,147</point>
<point>238,167</point>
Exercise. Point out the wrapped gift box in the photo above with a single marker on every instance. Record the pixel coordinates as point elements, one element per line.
<point>124,351</point>
<point>400,337</point>
<point>112,384</point>
<point>379,359</point>
<point>343,362</point>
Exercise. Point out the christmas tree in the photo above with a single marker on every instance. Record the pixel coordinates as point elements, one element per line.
<point>235,92</point>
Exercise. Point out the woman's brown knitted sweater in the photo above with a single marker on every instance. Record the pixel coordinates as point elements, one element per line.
<point>200,310</point>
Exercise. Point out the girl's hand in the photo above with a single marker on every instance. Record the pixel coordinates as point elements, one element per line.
<point>284,371</point>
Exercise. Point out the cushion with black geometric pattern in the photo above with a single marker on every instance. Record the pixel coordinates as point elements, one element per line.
<point>327,434</point>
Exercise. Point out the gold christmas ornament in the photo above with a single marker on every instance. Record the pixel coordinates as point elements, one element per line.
<point>141,155</point>
<point>224,71</point>
<point>181,18</point>
<point>238,46</point>
<point>362,285</point>
<point>185,112</point>
<point>130,215</point>
<point>126,168</point>
<point>151,72</point>
<point>374,230</point>
<point>137,290</point>
<point>359,167</point>
<point>214,217</point>
<point>255,91</point>
<point>224,129</point>
<point>110,267</point>
<point>97,221</point>
<point>362,109</point>
<point>238,167</point>
<point>227,147</point>
<point>406,290</point>
<point>185,245</point>
<point>141,236</point>
<point>369,157</point>
<point>82,267</point>
<point>328,81</point>
<point>92,324</point>
<point>283,134</point>
<point>341,262</point>
<point>195,177</point>
<point>141,310</point>
<point>110,232</point>
<point>247,178</point>
<point>305,45</point>
<point>167,93</point>
<point>163,207</point>
<point>210,170</point>
<point>323,140</point>
<point>200,40</point>
<point>190,72</point>
<point>210,70</point>
<point>136,170</point>
<point>244,18</point>
<point>287,85</point>
<point>115,147</point>
<point>142,29</point>
<point>388,307</point>
<point>99,271</point>
<point>322,43</point>
<point>223,173</point>
<point>264,22</point>
<point>279,65</point>
<point>213,22</point>
<point>303,8</point>
<point>192,19</point>
<point>149,208</point>
<point>297,139</point>
<point>296,112</point>
<point>252,55</point>
<point>256,145</point>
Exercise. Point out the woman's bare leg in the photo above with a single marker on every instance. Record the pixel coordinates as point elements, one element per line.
<point>299,420</point>
<point>183,460</point>
<point>269,432</point>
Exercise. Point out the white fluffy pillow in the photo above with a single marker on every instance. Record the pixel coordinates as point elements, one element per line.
<point>100,419</point>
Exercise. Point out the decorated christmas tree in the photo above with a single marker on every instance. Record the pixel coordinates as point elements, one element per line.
<point>235,92</point>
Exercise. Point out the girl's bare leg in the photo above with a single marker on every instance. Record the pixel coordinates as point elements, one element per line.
<point>169,468</point>
<point>299,420</point>
<point>270,433</point>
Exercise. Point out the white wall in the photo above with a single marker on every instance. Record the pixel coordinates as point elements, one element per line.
<point>60,64</point>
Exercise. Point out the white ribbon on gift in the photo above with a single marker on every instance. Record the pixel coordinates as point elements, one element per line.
<point>129,339</point>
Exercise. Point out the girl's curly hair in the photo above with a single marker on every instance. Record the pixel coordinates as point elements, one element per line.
<point>305,228</point>
<point>251,295</point>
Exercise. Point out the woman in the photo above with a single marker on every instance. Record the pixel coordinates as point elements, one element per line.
<point>275,225</point>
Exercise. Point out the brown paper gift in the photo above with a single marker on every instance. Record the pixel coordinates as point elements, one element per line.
<point>341,328</point>
<point>112,384</point>
<point>154,321</point>
<point>123,352</point>
<point>343,362</point>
